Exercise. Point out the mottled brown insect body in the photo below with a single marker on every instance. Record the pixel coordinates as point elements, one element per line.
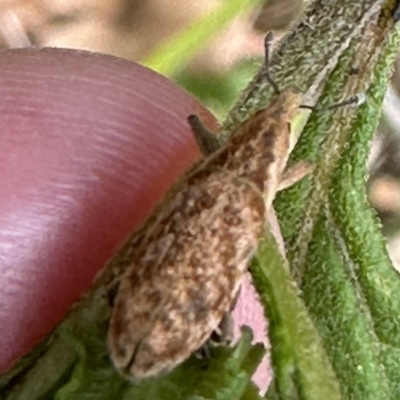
<point>189,266</point>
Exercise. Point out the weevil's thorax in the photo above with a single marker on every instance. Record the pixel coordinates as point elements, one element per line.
<point>259,149</point>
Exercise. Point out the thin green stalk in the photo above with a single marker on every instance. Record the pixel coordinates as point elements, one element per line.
<point>176,51</point>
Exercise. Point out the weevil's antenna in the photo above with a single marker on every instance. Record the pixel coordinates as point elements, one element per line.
<point>267,46</point>
<point>357,99</point>
<point>267,61</point>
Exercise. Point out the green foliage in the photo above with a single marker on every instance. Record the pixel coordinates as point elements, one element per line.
<point>226,374</point>
<point>334,244</point>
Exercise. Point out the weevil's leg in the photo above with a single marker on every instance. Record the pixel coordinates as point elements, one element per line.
<point>294,174</point>
<point>207,141</point>
<point>267,63</point>
<point>203,352</point>
<point>223,335</point>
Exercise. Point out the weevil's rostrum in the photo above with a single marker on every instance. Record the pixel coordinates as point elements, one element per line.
<point>188,267</point>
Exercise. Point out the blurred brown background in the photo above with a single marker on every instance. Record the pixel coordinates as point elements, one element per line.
<point>132,28</point>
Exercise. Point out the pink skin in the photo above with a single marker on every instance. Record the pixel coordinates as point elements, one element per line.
<point>89,143</point>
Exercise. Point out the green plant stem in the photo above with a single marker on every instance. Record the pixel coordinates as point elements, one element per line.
<point>301,367</point>
<point>334,244</point>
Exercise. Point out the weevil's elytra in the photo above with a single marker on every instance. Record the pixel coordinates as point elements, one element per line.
<point>188,269</point>
<point>187,276</point>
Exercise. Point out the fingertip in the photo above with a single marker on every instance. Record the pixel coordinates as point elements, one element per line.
<point>90,143</point>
